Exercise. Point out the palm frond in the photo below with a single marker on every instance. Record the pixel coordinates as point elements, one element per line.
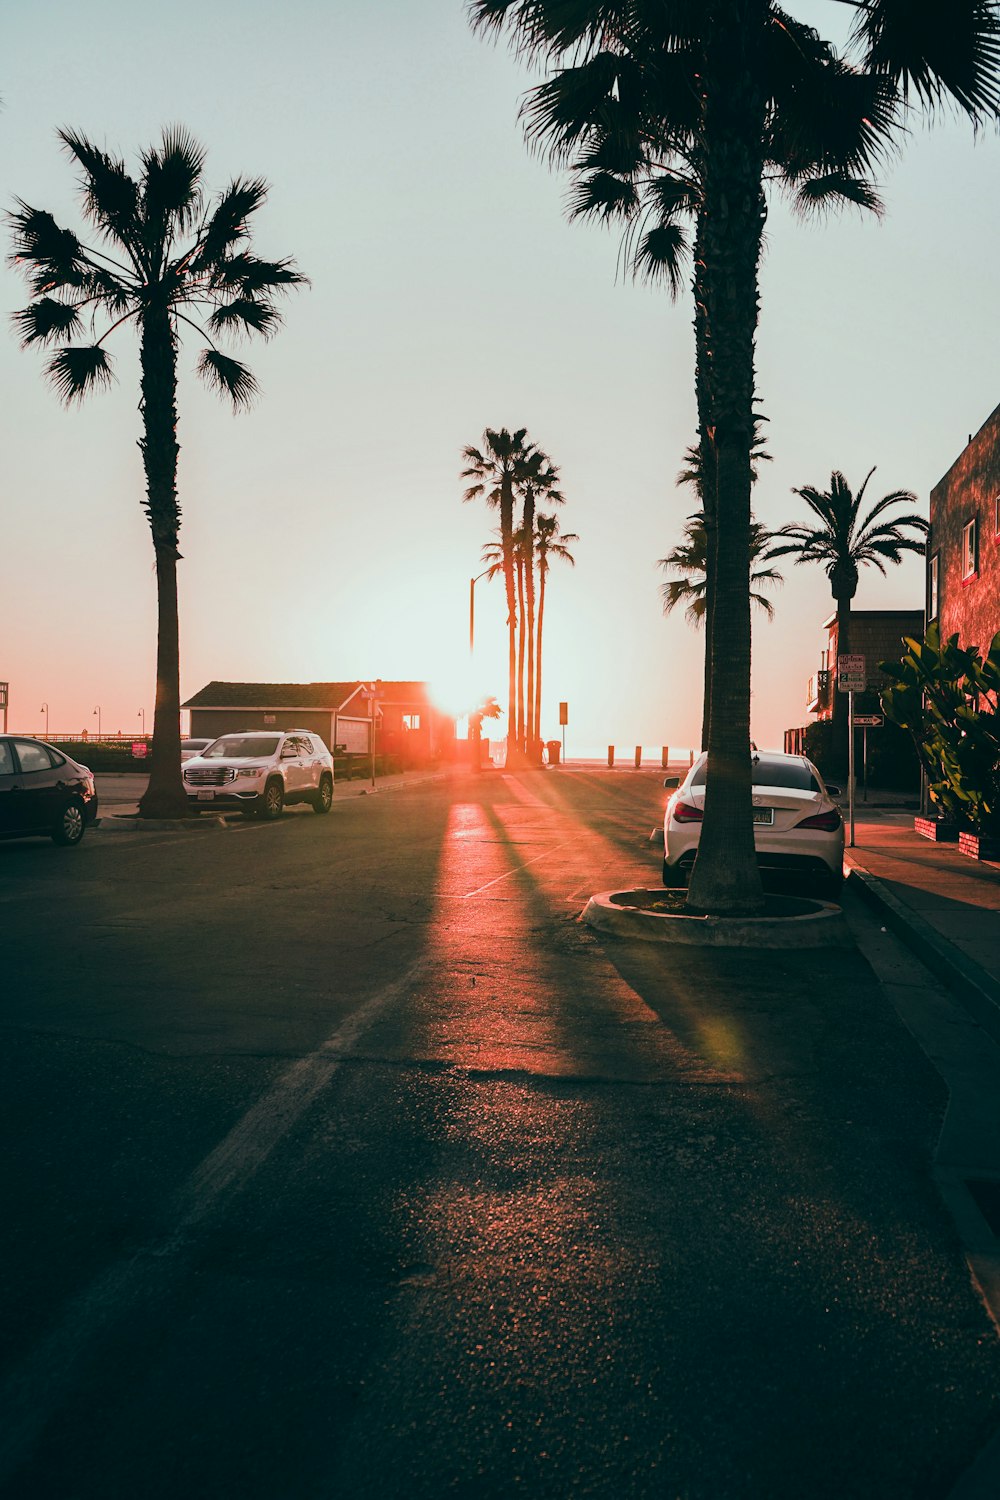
<point>249,275</point>
<point>172,173</point>
<point>940,54</point>
<point>45,320</point>
<point>110,196</point>
<point>661,255</point>
<point>228,377</point>
<point>51,258</point>
<point>227,224</point>
<point>76,372</point>
<point>832,189</point>
<point>245,316</point>
<point>602,195</point>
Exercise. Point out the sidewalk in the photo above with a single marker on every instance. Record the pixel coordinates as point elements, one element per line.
<point>944,905</point>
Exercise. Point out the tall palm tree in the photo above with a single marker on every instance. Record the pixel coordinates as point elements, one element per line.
<point>717,92</point>
<point>495,470</point>
<point>549,544</point>
<point>844,542</point>
<point>540,481</point>
<point>165,258</point>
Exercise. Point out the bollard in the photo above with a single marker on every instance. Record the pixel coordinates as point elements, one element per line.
<point>665,757</point>
<point>638,756</point>
<point>611,756</point>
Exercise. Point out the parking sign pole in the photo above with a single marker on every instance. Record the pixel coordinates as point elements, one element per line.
<point>850,760</point>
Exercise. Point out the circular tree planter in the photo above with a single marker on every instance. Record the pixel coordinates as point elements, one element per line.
<point>658,916</point>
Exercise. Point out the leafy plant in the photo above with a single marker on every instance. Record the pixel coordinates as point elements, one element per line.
<point>947,697</point>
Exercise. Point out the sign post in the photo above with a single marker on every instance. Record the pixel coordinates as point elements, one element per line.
<point>564,720</point>
<point>3,703</point>
<point>851,678</point>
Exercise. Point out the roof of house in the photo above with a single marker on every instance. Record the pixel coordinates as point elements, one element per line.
<point>321,695</point>
<point>328,696</point>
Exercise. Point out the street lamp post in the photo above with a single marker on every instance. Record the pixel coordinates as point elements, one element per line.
<point>472,609</point>
<point>45,710</point>
<point>97,712</point>
<point>142,715</point>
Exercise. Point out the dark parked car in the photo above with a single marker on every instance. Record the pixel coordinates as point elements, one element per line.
<point>43,792</point>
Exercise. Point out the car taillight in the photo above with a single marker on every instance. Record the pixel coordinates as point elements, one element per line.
<point>684,813</point>
<point>829,822</point>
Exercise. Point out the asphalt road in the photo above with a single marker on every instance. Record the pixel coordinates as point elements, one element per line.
<point>341,1160</point>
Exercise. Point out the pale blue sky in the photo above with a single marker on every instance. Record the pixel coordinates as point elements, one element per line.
<point>324,534</point>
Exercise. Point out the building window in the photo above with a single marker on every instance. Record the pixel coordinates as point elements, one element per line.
<point>411,721</point>
<point>933,575</point>
<point>970,549</point>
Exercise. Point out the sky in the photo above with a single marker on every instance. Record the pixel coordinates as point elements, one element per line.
<point>324,535</point>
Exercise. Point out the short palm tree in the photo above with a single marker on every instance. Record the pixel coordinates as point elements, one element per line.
<point>844,542</point>
<point>690,559</point>
<point>165,260</point>
<point>549,545</point>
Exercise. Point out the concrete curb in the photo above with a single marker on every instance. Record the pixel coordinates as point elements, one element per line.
<point>130,822</point>
<point>825,928</point>
<point>978,991</point>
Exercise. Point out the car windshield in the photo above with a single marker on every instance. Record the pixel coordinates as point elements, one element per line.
<point>773,770</point>
<point>242,747</point>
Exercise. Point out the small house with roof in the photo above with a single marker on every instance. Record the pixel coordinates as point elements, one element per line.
<point>406,724</point>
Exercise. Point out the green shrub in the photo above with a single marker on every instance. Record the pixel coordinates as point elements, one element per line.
<point>946,697</point>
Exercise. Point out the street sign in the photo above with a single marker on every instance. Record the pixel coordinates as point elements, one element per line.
<point>3,694</point>
<point>851,674</point>
<point>564,713</point>
<point>869,721</point>
<point>138,749</point>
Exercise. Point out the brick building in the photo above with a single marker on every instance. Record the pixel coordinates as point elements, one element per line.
<point>963,548</point>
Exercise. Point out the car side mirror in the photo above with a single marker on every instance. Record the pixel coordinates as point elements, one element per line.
<point>671,782</point>
<point>835,791</point>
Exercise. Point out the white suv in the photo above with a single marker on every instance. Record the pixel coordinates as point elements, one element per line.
<point>260,770</point>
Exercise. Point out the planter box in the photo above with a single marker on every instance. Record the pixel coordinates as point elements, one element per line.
<point>979,846</point>
<point>936,829</point>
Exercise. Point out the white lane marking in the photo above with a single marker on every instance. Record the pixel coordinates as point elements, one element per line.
<point>513,871</point>
<point>43,1380</point>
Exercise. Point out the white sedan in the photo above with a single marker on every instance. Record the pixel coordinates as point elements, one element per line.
<point>797,824</point>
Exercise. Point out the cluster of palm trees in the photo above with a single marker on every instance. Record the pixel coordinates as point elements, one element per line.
<point>842,540</point>
<point>507,470</point>
<point>674,119</point>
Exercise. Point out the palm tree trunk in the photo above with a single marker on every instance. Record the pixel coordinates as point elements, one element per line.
<point>841,731</point>
<point>709,475</point>
<point>538,656</point>
<point>521,728</point>
<point>528,527</point>
<point>507,552</point>
<point>725,879</point>
<point>164,796</point>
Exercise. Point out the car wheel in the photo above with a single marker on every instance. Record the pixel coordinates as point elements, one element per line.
<point>274,800</point>
<point>70,827</point>
<point>673,876</point>
<point>323,800</point>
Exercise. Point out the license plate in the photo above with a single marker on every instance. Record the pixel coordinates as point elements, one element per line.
<point>204,796</point>
<point>763,814</point>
